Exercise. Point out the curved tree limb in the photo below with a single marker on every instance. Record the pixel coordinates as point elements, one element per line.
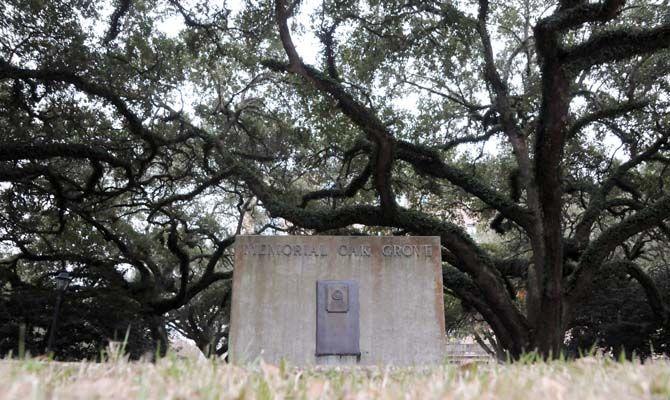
<point>501,98</point>
<point>428,162</point>
<point>616,45</point>
<point>605,113</point>
<point>576,16</point>
<point>115,20</point>
<point>22,151</point>
<point>360,115</point>
<point>598,201</point>
<point>654,297</point>
<point>610,239</point>
<point>7,71</point>
<point>352,188</point>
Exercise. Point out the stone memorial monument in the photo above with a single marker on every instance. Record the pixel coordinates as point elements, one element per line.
<point>312,300</point>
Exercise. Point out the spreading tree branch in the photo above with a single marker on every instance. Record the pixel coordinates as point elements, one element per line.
<point>115,20</point>
<point>360,115</point>
<point>616,45</point>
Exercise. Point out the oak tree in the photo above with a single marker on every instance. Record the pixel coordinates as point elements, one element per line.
<point>129,148</point>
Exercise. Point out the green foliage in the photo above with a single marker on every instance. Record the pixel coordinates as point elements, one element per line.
<point>88,322</point>
<point>618,319</point>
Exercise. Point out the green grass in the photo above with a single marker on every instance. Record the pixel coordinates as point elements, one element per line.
<point>170,378</point>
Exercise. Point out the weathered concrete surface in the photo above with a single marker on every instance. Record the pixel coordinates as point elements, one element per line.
<point>273,311</point>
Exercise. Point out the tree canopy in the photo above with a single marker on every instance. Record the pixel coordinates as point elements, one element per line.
<point>139,137</point>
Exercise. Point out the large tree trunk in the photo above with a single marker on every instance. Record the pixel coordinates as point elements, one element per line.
<point>159,335</point>
<point>545,311</point>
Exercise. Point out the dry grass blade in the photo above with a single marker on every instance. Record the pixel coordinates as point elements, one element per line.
<point>170,378</point>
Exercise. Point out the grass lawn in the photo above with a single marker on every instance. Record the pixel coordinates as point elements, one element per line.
<point>588,378</point>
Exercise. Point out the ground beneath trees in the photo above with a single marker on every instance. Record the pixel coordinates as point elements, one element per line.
<point>588,378</point>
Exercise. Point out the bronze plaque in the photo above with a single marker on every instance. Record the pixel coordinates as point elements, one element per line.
<point>337,298</point>
<point>337,325</point>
